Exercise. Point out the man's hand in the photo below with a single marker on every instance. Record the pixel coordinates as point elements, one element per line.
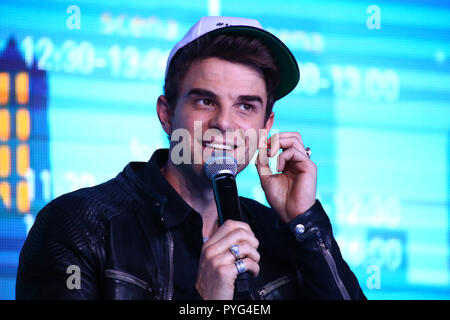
<point>293,190</point>
<point>217,272</point>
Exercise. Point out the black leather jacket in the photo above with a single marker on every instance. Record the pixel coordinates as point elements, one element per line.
<point>114,234</point>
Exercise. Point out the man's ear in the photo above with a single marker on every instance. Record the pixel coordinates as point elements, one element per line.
<point>164,114</point>
<point>269,123</point>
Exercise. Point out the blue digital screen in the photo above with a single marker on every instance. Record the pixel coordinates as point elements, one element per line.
<point>79,82</point>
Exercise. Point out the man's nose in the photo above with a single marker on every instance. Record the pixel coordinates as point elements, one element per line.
<point>222,120</point>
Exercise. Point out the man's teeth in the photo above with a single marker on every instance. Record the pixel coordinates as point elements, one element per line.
<point>218,146</point>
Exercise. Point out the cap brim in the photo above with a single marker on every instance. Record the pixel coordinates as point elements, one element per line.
<point>289,71</point>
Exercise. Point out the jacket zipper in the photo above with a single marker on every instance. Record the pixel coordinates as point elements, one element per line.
<point>169,285</point>
<point>332,265</point>
<point>119,275</point>
<point>274,285</point>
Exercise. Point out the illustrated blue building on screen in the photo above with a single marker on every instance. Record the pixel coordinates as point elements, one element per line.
<point>24,152</point>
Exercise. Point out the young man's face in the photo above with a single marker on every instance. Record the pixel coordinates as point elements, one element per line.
<point>222,105</point>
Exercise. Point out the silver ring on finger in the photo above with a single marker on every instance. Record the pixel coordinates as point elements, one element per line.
<point>240,266</point>
<point>308,152</point>
<point>235,251</point>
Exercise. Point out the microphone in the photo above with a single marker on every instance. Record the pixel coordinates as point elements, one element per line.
<point>222,169</point>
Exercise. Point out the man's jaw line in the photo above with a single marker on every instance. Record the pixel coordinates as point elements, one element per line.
<point>188,184</point>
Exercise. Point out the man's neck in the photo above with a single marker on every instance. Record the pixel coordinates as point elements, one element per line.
<point>196,192</point>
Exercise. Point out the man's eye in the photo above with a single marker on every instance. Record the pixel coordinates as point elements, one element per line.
<point>246,107</point>
<point>205,102</point>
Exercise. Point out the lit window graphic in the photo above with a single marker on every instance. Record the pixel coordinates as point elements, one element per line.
<point>23,202</point>
<point>23,124</point>
<point>5,164</point>
<point>5,127</point>
<point>5,194</point>
<point>4,88</point>
<point>22,86</point>
<point>22,159</point>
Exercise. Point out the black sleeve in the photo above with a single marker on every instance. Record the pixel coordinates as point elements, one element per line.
<point>317,256</point>
<point>53,253</point>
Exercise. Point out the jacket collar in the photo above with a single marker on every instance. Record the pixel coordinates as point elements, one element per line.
<point>157,191</point>
<point>175,210</point>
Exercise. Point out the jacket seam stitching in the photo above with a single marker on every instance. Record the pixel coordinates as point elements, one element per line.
<point>83,233</point>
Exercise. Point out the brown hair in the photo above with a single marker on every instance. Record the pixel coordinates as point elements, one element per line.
<point>234,48</point>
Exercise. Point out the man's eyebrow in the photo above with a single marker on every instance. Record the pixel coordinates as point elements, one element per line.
<point>210,94</point>
<point>250,98</point>
<point>201,92</point>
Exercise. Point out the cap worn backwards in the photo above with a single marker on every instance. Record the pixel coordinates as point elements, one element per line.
<point>285,60</point>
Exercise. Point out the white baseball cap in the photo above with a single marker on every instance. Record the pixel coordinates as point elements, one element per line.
<point>285,60</point>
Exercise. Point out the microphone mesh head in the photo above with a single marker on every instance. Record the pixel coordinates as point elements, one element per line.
<point>220,164</point>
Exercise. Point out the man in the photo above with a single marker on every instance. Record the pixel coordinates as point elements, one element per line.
<point>153,232</point>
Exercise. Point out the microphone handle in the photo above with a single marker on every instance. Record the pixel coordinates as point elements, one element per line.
<point>228,207</point>
<point>227,199</point>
